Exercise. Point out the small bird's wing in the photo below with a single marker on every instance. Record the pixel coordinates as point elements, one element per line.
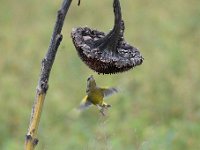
<point>84,104</point>
<point>108,91</point>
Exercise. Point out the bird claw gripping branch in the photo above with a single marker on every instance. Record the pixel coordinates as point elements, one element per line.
<point>106,53</point>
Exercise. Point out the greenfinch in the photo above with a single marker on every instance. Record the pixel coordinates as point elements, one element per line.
<point>95,96</point>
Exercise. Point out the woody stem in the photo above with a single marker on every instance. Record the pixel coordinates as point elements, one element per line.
<point>31,137</point>
<point>110,41</point>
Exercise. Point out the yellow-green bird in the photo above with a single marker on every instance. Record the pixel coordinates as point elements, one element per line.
<point>95,95</point>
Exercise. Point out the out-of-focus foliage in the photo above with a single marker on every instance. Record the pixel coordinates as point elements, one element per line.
<point>159,103</point>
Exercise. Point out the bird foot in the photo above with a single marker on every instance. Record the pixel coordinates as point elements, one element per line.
<point>103,108</point>
<point>106,106</point>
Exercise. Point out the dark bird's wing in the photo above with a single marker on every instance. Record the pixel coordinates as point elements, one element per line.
<point>109,91</point>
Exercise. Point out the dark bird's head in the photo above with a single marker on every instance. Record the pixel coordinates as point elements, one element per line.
<point>91,83</point>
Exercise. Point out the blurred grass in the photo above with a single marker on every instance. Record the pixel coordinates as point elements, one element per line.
<point>159,106</point>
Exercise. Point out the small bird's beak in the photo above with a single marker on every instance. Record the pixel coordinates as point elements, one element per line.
<point>91,77</point>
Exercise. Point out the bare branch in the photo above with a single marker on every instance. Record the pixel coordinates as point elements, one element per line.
<point>46,65</point>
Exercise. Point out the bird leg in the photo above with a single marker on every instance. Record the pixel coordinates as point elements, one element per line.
<point>104,107</point>
<point>101,109</point>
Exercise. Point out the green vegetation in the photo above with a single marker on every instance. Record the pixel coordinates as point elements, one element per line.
<point>158,107</point>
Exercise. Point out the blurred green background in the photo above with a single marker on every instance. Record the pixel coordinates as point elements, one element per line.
<point>159,103</point>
